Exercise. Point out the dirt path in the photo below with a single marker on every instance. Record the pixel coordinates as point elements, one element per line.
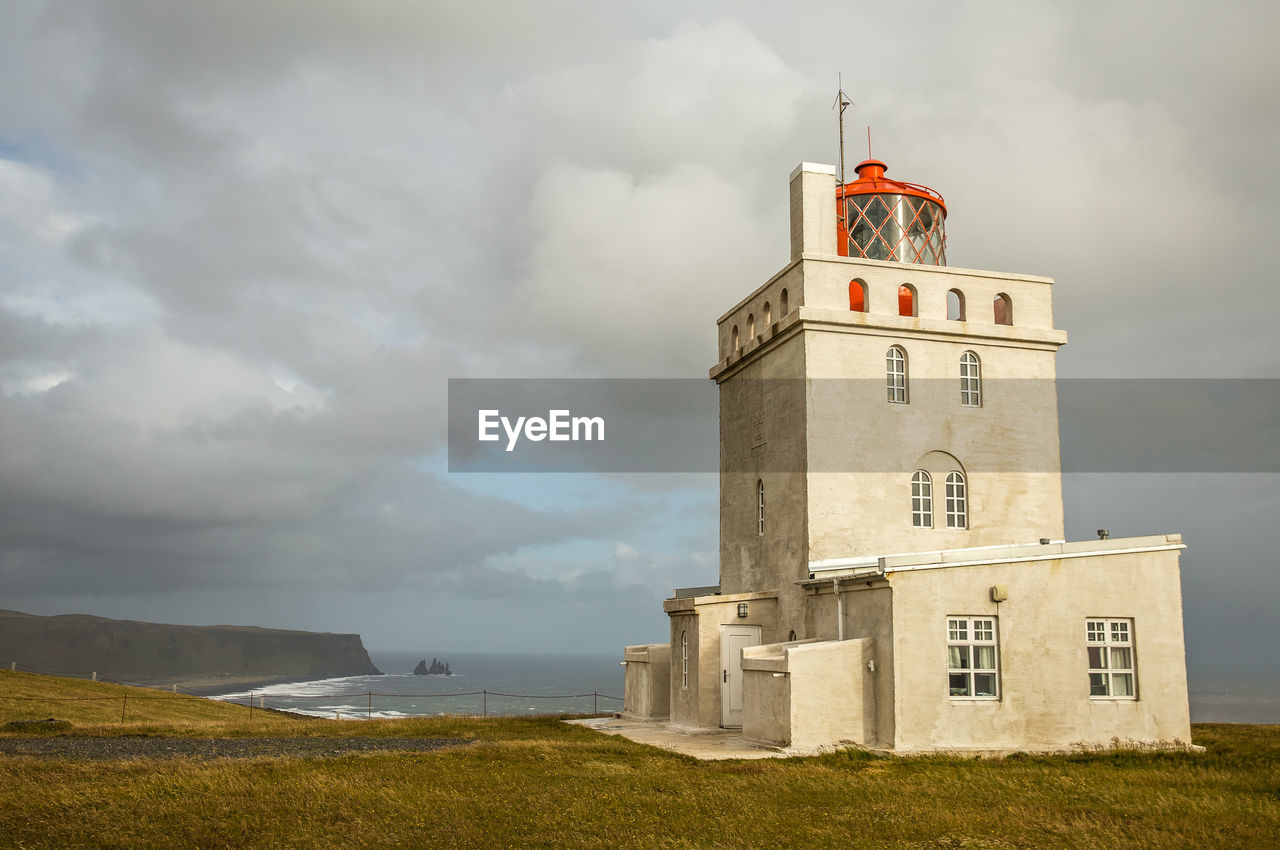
<point>147,746</point>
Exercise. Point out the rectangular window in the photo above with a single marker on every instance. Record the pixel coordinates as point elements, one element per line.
<point>972,658</point>
<point>1111,667</point>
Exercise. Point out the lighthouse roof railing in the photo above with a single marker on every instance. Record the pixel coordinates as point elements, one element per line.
<point>873,182</point>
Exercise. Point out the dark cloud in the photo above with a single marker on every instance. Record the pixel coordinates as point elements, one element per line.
<point>243,246</point>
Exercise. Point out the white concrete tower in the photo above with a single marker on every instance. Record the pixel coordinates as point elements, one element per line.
<point>874,401</point>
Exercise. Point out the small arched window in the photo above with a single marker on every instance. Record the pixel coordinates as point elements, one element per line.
<point>857,296</point>
<point>791,635</point>
<point>957,501</point>
<point>684,660</point>
<point>970,380</point>
<point>751,327</point>
<point>1003,309</point>
<point>955,305</point>
<point>896,374</point>
<point>768,314</point>
<point>906,300</point>
<point>733,338</point>
<point>782,302</point>
<point>921,500</point>
<point>760,507</point>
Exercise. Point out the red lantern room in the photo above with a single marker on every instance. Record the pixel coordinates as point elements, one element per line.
<point>882,219</point>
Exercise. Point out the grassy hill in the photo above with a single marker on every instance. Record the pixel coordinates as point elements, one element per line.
<point>541,783</point>
<point>137,651</point>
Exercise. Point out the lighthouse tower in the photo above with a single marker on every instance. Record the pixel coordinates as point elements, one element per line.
<point>894,407</point>
<point>893,571</point>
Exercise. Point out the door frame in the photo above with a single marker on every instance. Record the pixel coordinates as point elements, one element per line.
<point>731,668</point>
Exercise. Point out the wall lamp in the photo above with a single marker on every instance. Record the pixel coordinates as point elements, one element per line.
<point>742,609</point>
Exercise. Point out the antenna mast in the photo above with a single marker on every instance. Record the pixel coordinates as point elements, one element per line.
<point>841,101</point>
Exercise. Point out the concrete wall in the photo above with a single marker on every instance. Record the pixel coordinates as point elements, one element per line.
<point>809,695</point>
<point>868,614</point>
<point>1044,687</point>
<point>762,431</point>
<point>647,694</point>
<point>862,449</point>
<point>826,286</point>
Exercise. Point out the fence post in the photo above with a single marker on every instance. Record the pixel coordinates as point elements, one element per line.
<point>13,667</point>
<point>595,703</point>
<point>124,703</point>
<point>369,716</point>
<point>251,706</point>
<point>95,676</point>
<point>484,696</point>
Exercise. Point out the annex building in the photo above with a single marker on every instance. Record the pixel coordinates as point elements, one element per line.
<point>893,569</point>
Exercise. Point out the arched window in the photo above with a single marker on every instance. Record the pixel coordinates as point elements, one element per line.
<point>760,507</point>
<point>684,660</point>
<point>791,635</point>
<point>733,338</point>
<point>782,301</point>
<point>921,499</point>
<point>906,300</point>
<point>970,380</point>
<point>751,327</point>
<point>768,314</point>
<point>857,296</point>
<point>1003,308</point>
<point>955,305</point>
<point>896,374</point>
<point>957,501</point>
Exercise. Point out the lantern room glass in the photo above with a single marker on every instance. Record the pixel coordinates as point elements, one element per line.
<point>901,228</point>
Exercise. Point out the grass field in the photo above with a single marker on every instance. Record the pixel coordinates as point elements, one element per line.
<point>539,782</point>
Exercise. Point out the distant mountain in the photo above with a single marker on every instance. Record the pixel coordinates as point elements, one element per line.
<point>137,651</point>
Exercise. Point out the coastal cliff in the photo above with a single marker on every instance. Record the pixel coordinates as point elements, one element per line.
<point>149,652</point>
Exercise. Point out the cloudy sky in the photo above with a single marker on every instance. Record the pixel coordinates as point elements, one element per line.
<point>243,247</point>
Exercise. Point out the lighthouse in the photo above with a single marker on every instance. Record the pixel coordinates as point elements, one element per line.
<point>893,571</point>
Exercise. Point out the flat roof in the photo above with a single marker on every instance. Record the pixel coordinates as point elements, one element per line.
<point>880,565</point>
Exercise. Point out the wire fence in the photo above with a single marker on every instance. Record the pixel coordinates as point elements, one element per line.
<point>280,702</point>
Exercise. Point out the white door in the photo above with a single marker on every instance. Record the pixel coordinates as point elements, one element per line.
<point>732,641</point>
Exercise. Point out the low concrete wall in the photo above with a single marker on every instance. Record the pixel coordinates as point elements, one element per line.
<point>648,681</point>
<point>809,694</point>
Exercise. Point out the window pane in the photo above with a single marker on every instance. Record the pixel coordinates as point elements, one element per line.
<point>984,684</point>
<point>1122,684</point>
<point>984,658</point>
<point>983,630</point>
<point>1097,658</point>
<point>958,657</point>
<point>1120,632</point>
<point>1097,684</point>
<point>959,683</point>
<point>958,630</point>
<point>1121,658</point>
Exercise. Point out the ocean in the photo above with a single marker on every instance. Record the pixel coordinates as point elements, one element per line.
<point>515,685</point>
<point>556,684</point>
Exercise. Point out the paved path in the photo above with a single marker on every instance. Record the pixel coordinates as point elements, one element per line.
<point>718,744</point>
<point>154,746</point>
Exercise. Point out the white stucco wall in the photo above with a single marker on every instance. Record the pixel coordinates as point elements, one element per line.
<point>647,681</point>
<point>1044,698</point>
<point>809,695</point>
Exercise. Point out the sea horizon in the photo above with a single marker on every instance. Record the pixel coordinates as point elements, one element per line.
<point>525,683</point>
